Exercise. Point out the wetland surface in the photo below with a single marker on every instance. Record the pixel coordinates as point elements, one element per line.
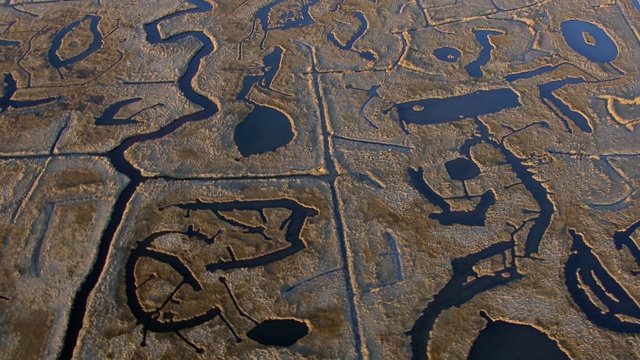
<point>320,179</point>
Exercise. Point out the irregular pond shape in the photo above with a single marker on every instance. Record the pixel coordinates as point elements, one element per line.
<point>463,286</point>
<point>59,39</point>
<point>589,40</point>
<point>559,108</point>
<point>165,315</point>
<point>566,113</point>
<point>475,217</point>
<point>272,63</point>
<point>157,320</point>
<point>622,238</point>
<point>587,279</point>
<point>526,174</point>
<point>442,110</point>
<point>122,165</point>
<point>465,282</point>
<point>502,340</point>
<point>475,68</point>
<point>264,129</point>
<point>447,54</point>
<point>283,15</point>
<point>293,224</point>
<point>279,332</point>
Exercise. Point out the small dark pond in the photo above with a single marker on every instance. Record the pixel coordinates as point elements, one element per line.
<point>264,129</point>
<point>279,332</point>
<point>447,54</point>
<point>508,341</point>
<point>529,74</point>
<point>462,169</point>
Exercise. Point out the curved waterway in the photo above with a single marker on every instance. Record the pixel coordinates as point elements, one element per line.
<point>597,293</point>
<point>474,68</point>
<point>157,318</point>
<point>10,88</point>
<point>465,283</point>
<point>463,286</point>
<point>348,46</point>
<point>57,42</point>
<point>119,161</point>
<point>447,216</point>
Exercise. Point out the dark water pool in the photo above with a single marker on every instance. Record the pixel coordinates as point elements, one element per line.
<point>442,110</point>
<point>589,40</point>
<point>508,341</point>
<point>447,54</point>
<point>264,129</point>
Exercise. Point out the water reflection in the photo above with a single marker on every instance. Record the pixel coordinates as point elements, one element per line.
<point>589,40</point>
<point>447,54</point>
<point>505,340</point>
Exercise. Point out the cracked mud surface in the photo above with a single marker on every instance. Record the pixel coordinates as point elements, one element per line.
<point>319,179</point>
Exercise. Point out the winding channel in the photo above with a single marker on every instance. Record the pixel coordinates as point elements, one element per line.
<point>120,163</point>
